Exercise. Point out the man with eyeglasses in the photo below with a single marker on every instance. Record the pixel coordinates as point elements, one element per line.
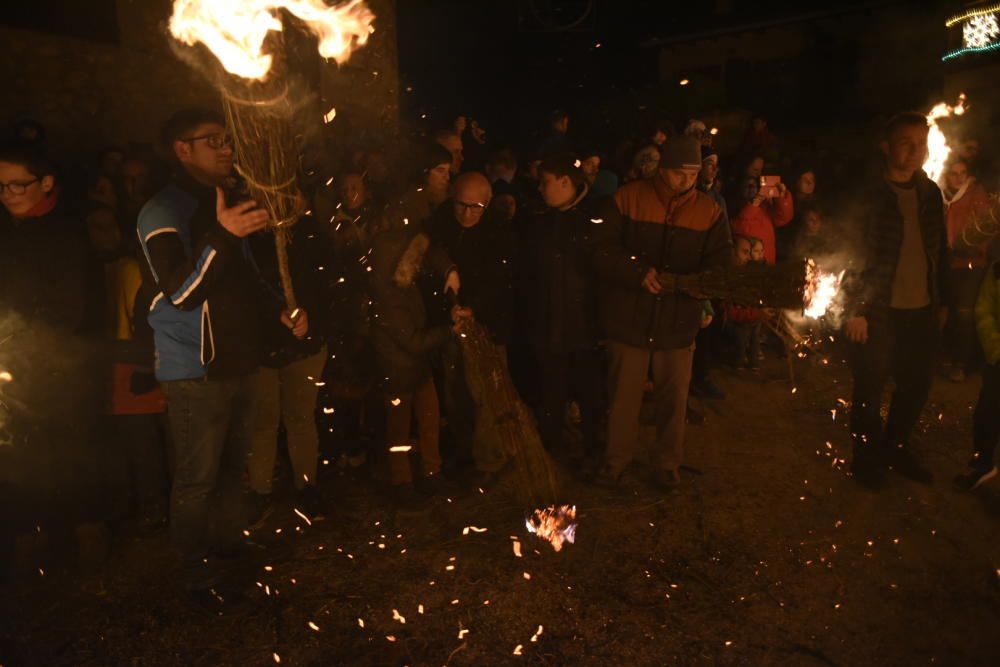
<point>206,320</point>
<point>481,244</point>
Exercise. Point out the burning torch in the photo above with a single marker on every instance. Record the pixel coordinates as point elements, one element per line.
<point>254,84</point>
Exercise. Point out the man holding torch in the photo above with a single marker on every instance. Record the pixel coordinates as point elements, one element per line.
<point>206,320</point>
<point>894,291</point>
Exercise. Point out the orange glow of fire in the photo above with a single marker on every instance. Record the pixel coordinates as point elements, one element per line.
<point>821,290</point>
<point>937,144</point>
<point>556,525</point>
<point>234,30</point>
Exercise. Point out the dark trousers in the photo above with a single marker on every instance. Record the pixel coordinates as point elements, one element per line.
<point>986,422</point>
<point>211,426</point>
<point>565,376</point>
<point>963,289</point>
<point>900,346</point>
<point>140,465</point>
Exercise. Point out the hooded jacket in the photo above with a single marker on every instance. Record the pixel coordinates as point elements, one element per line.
<point>207,316</point>
<point>647,226</point>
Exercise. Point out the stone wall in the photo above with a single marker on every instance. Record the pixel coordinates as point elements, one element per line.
<point>90,94</point>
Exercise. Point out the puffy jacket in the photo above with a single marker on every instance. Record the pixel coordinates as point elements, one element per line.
<point>878,238</point>
<point>759,222</point>
<point>206,318</point>
<point>648,226</point>
<point>988,315</point>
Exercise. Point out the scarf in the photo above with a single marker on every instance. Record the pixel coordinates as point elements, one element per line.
<point>43,207</point>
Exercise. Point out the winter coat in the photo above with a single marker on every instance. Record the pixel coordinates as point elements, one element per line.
<point>647,226</point>
<point>557,264</point>
<point>759,222</point>
<point>960,212</point>
<point>400,334</point>
<point>49,290</point>
<point>878,239</point>
<point>484,255</point>
<point>207,317</point>
<point>988,315</point>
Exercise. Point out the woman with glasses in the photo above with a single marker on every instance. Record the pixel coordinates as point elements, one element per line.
<point>50,393</point>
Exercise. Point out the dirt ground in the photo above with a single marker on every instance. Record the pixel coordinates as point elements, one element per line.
<point>768,554</point>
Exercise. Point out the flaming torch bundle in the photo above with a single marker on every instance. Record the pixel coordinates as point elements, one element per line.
<point>254,84</point>
<point>937,145</point>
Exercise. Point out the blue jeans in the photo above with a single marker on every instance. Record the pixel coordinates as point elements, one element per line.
<point>211,422</point>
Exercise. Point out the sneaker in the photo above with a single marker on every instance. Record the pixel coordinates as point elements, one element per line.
<point>667,480</point>
<point>707,389</point>
<point>975,477</point>
<point>902,461</point>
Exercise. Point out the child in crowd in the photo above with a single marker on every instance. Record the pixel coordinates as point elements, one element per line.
<point>743,323</point>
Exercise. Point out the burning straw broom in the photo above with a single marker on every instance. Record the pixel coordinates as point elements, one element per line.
<point>256,93</point>
<point>490,384</point>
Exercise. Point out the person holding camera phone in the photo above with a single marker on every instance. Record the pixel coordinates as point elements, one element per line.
<point>206,319</point>
<point>769,207</point>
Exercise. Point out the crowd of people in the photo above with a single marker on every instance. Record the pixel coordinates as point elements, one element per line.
<point>152,367</point>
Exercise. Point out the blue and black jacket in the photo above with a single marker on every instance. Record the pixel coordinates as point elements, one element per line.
<point>207,315</point>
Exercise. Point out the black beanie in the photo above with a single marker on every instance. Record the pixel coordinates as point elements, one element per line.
<point>681,152</point>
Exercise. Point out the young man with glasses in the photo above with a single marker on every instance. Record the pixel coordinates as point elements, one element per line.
<point>206,320</point>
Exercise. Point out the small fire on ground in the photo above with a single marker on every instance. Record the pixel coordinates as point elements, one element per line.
<point>555,525</point>
<point>821,290</point>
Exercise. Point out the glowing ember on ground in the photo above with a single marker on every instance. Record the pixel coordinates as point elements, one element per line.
<point>554,524</point>
<point>821,289</point>
<point>937,145</point>
<point>234,30</point>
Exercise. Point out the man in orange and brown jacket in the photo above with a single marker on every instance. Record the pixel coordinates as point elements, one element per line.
<point>661,224</point>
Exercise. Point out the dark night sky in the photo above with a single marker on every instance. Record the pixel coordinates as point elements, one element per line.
<point>496,60</point>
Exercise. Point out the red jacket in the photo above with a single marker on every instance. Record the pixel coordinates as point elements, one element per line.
<point>960,213</point>
<point>736,314</point>
<point>759,222</point>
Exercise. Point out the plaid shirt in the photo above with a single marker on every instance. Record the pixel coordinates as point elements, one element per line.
<point>879,238</point>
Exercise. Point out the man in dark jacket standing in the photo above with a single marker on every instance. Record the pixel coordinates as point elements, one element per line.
<point>206,321</point>
<point>661,224</point>
<point>564,332</point>
<point>481,245</point>
<point>893,297</point>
